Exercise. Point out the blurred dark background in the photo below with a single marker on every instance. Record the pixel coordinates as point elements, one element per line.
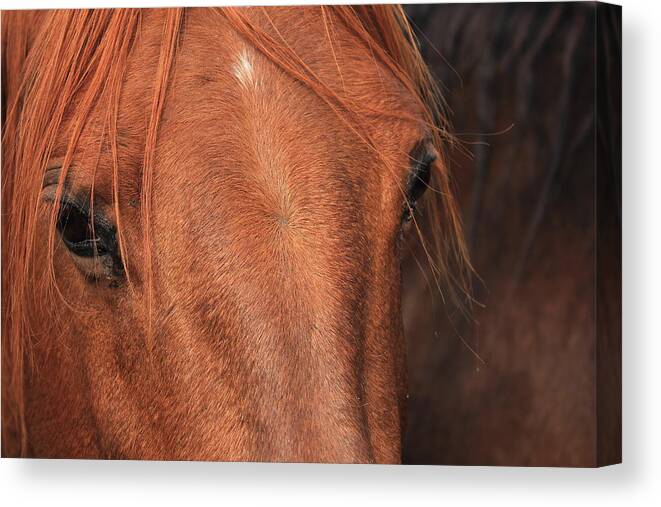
<point>533,93</point>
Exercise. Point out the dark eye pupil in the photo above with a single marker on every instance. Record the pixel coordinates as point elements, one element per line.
<point>419,181</point>
<point>73,225</point>
<point>77,233</point>
<point>422,156</point>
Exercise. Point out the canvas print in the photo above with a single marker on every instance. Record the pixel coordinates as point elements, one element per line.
<point>320,234</point>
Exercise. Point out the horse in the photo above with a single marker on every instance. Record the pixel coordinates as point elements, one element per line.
<point>203,219</point>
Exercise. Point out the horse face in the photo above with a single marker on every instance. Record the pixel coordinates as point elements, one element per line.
<point>262,322</point>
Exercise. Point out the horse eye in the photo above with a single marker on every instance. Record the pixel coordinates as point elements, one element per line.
<point>78,233</point>
<point>419,181</point>
<point>419,177</point>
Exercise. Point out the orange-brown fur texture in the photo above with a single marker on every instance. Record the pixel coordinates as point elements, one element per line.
<point>252,163</point>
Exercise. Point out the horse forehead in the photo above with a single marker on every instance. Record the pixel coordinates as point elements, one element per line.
<point>233,115</point>
<point>232,94</point>
<point>213,53</point>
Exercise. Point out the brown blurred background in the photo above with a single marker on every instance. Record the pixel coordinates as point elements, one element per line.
<point>533,377</point>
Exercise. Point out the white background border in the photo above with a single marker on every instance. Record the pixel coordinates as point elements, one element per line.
<point>636,482</point>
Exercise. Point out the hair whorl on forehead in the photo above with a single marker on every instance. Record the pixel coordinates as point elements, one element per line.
<point>62,64</point>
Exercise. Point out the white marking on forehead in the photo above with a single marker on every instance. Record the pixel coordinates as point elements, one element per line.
<point>244,70</point>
